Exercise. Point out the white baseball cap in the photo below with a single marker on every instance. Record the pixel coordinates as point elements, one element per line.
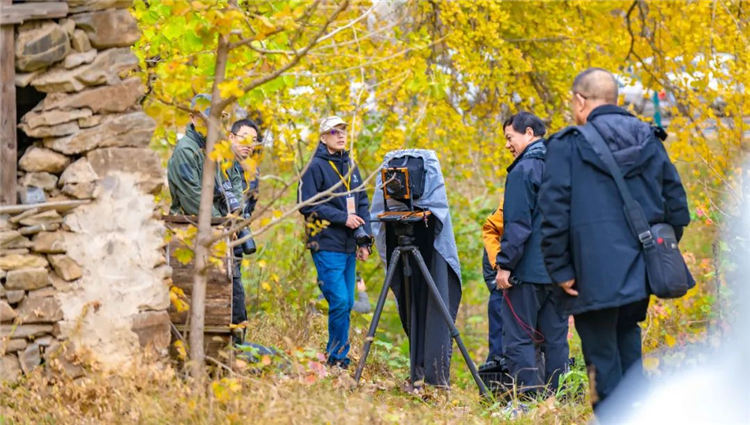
<point>330,122</point>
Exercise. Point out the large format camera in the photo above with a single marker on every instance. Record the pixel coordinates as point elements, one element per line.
<point>403,183</point>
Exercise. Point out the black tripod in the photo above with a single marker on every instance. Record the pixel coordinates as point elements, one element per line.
<point>404,227</point>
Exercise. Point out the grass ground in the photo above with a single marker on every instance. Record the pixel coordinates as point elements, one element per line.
<point>304,393</point>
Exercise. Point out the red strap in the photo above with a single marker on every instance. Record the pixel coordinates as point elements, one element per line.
<point>526,327</point>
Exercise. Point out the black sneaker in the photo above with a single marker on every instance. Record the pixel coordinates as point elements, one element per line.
<point>341,363</point>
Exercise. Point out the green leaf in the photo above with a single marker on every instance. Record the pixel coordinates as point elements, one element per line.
<point>184,255</point>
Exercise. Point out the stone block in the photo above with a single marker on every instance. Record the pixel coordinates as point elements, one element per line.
<point>41,180</point>
<point>10,369</point>
<point>60,356</point>
<point>80,41</point>
<point>78,59</point>
<point>65,267</point>
<point>109,28</point>
<point>49,131</point>
<point>143,163</point>
<point>7,313</point>
<point>39,310</point>
<point>30,358</point>
<point>80,190</point>
<point>41,118</point>
<point>8,238</point>
<point>40,46</point>
<point>43,160</point>
<point>46,217</point>
<point>106,99</point>
<point>105,69</point>
<point>79,172</point>
<point>60,284</point>
<point>43,292</point>
<point>14,262</point>
<point>8,346</point>
<point>128,130</point>
<point>15,297</point>
<point>33,230</point>
<point>50,242</point>
<point>27,279</point>
<point>24,331</point>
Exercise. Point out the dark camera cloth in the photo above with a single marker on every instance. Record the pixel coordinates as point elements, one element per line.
<point>423,322</point>
<point>585,234</point>
<point>319,177</point>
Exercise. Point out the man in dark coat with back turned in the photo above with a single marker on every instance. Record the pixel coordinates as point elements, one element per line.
<point>588,246</point>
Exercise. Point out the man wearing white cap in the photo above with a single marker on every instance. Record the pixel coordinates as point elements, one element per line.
<point>345,238</point>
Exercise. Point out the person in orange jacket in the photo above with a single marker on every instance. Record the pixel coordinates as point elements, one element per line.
<point>492,231</point>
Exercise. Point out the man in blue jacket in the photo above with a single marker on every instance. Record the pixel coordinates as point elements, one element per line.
<point>339,212</point>
<point>588,246</point>
<point>531,316</point>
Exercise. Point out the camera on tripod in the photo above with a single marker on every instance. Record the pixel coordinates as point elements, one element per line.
<point>423,269</point>
<point>403,183</point>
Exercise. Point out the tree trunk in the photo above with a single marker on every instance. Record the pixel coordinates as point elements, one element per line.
<point>202,245</point>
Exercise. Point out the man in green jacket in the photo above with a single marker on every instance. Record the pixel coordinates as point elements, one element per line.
<point>185,171</point>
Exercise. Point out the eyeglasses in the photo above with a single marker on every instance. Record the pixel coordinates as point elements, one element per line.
<point>335,131</point>
<point>245,140</point>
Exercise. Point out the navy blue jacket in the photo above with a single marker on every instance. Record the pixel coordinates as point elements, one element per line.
<point>319,177</point>
<point>585,234</point>
<point>520,246</point>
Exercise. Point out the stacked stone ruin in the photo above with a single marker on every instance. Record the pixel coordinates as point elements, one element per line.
<point>84,271</point>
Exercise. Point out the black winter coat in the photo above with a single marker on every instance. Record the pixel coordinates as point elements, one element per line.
<point>319,177</point>
<point>585,234</point>
<point>520,246</point>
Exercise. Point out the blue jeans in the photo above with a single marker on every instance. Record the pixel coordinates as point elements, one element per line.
<point>336,273</point>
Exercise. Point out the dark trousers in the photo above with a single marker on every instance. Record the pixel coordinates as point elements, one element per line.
<point>496,325</point>
<point>611,344</point>
<point>532,320</point>
<point>239,311</point>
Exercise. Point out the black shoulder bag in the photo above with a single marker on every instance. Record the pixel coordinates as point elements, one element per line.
<point>668,276</point>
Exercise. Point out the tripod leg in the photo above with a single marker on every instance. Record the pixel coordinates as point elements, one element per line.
<point>378,310</point>
<point>410,313</point>
<point>448,319</point>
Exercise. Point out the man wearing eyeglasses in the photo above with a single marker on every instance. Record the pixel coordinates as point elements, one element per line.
<point>245,176</point>
<point>331,221</point>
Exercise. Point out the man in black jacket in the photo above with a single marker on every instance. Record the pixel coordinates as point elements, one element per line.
<point>331,221</point>
<point>588,246</point>
<point>531,317</point>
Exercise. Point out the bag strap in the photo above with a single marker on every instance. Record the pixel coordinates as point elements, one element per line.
<point>633,212</point>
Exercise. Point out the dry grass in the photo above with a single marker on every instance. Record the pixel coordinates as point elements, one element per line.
<point>306,393</point>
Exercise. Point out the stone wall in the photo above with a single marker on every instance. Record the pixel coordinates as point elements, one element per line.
<point>87,275</point>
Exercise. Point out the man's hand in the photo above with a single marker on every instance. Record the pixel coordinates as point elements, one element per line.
<point>502,281</point>
<point>354,221</point>
<point>567,286</point>
<point>363,253</point>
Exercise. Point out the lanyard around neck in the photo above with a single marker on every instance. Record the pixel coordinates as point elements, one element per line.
<point>347,184</point>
